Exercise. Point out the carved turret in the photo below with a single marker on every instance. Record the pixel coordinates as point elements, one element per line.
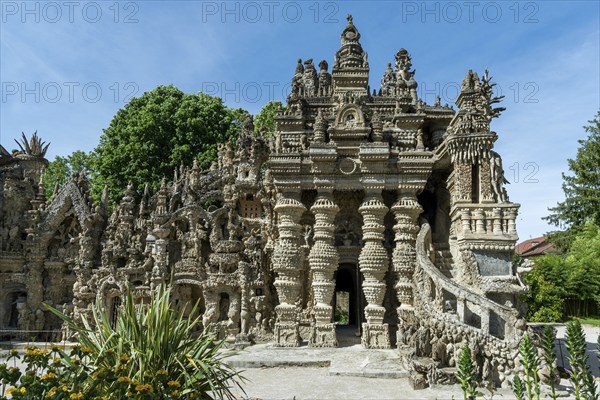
<point>351,68</point>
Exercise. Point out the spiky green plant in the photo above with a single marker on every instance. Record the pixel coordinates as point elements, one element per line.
<point>548,340</point>
<point>465,374</point>
<point>518,389</point>
<point>531,366</point>
<point>152,346</point>
<point>576,345</point>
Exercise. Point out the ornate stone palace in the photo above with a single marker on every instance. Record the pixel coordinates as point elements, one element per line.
<point>396,203</point>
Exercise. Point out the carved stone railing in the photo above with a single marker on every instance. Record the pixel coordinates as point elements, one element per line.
<point>477,220</point>
<point>443,298</point>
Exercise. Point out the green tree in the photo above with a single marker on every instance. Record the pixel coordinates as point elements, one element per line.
<point>581,188</point>
<point>568,283</point>
<point>546,293</point>
<point>265,119</point>
<point>583,266</point>
<point>61,168</point>
<point>154,134</point>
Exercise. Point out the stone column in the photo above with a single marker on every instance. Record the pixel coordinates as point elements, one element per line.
<point>161,257</point>
<point>324,261</point>
<point>406,211</point>
<point>287,263</point>
<point>373,262</point>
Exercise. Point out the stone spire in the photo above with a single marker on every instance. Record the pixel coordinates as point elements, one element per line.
<point>351,53</point>
<point>351,67</point>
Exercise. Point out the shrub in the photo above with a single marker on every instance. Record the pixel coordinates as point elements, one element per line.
<point>149,353</point>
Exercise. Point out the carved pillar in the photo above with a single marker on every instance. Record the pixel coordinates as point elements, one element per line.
<point>373,262</point>
<point>287,263</point>
<point>35,293</point>
<point>161,260</point>
<point>406,211</point>
<point>323,260</point>
<point>485,181</point>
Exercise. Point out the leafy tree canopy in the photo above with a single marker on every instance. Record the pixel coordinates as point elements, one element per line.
<point>154,134</point>
<point>571,280</point>
<point>581,188</point>
<point>265,119</point>
<point>61,169</point>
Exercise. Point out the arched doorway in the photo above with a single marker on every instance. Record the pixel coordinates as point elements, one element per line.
<point>348,303</point>
<point>13,301</point>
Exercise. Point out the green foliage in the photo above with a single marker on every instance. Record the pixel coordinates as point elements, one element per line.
<point>465,374</point>
<point>265,119</point>
<point>581,377</point>
<point>62,168</point>
<point>154,134</point>
<point>582,188</point>
<point>518,389</point>
<point>545,295</point>
<point>569,282</point>
<point>531,366</point>
<point>148,354</point>
<point>341,316</point>
<point>583,264</point>
<point>548,341</point>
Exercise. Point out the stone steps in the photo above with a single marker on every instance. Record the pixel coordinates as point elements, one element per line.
<point>342,361</point>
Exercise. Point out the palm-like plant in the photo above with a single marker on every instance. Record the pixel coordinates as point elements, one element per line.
<point>151,349</point>
<point>34,147</point>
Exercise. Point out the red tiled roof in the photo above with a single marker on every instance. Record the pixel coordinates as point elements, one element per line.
<point>534,247</point>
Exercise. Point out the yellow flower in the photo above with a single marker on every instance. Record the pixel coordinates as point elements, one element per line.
<point>124,379</point>
<point>124,358</point>
<point>23,390</point>
<point>49,375</point>
<point>52,392</point>
<point>175,392</point>
<point>86,350</point>
<point>173,384</point>
<point>161,372</point>
<point>64,388</point>
<point>10,390</point>
<point>76,396</point>
<point>144,388</point>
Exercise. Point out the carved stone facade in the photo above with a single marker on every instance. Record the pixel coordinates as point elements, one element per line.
<point>399,203</point>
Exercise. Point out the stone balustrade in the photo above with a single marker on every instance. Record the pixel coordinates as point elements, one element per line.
<point>480,219</point>
<point>446,299</point>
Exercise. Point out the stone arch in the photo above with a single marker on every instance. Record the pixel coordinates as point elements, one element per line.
<point>352,115</point>
<point>14,296</point>
<point>195,295</point>
<point>68,197</point>
<point>108,289</point>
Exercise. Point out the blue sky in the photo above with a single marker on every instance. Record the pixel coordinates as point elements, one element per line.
<point>67,67</point>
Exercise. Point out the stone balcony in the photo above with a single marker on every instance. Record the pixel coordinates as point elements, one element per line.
<point>490,226</point>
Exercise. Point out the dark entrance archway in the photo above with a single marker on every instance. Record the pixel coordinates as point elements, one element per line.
<point>348,286</point>
<point>348,301</point>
